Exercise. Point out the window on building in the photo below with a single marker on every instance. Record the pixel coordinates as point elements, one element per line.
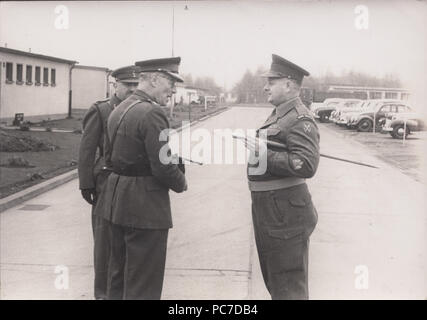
<point>37,80</point>
<point>360,95</point>
<point>405,96</point>
<point>29,74</point>
<point>391,95</point>
<point>19,73</point>
<point>375,95</point>
<point>52,77</point>
<point>9,72</point>
<point>45,76</point>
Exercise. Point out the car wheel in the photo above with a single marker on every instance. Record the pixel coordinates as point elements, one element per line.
<point>365,125</point>
<point>399,130</point>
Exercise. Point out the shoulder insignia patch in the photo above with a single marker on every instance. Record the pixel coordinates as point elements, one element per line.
<point>297,163</point>
<point>307,127</point>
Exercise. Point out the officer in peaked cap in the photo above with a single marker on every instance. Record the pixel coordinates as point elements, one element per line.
<point>129,74</point>
<point>168,66</point>
<point>282,211</point>
<point>136,198</point>
<point>91,177</point>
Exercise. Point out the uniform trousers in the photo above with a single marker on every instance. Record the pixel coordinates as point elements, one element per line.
<point>283,221</point>
<point>101,255</point>
<point>137,263</point>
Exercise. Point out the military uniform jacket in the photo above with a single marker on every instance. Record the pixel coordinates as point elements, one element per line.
<point>291,124</point>
<point>94,126</point>
<point>139,201</point>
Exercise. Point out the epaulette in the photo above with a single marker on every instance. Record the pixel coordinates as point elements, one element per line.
<point>101,101</point>
<point>305,117</point>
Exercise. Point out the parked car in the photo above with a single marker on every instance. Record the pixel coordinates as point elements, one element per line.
<point>352,115</point>
<point>315,105</point>
<point>348,105</point>
<point>397,127</point>
<point>376,113</point>
<point>323,112</point>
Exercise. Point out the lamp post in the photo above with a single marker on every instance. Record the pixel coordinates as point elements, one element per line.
<point>172,100</point>
<point>173,25</point>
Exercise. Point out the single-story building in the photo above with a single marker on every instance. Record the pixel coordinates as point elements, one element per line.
<point>186,94</point>
<point>33,84</point>
<point>373,92</point>
<point>89,84</point>
<point>228,97</point>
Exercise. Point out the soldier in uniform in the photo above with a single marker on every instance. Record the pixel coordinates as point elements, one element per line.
<point>136,197</point>
<point>91,178</point>
<point>282,211</point>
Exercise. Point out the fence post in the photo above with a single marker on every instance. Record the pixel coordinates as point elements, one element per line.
<point>374,123</point>
<point>404,130</point>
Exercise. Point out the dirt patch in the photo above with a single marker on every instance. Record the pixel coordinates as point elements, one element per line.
<point>73,123</point>
<point>42,164</point>
<point>13,142</point>
<point>17,162</point>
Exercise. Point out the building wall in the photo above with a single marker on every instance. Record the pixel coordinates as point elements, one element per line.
<point>88,85</point>
<point>183,94</point>
<point>32,100</point>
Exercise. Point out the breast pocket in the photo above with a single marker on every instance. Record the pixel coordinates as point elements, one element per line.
<point>273,132</point>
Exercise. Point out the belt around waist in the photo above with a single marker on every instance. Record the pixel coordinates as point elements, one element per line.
<point>133,171</point>
<point>275,184</point>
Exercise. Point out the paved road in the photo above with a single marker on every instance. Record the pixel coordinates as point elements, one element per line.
<point>369,243</point>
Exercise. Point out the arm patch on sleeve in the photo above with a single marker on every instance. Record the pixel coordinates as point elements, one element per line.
<point>297,163</point>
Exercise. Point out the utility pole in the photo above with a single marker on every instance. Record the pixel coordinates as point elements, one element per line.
<point>172,99</point>
<point>173,25</point>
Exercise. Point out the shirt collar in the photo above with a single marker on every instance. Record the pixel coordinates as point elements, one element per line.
<point>114,101</point>
<point>143,95</point>
<point>285,107</point>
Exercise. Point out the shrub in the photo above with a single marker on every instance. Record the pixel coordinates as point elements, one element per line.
<point>16,161</point>
<point>24,127</point>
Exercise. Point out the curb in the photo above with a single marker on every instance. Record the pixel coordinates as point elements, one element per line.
<point>29,193</point>
<point>37,129</point>
<point>202,119</point>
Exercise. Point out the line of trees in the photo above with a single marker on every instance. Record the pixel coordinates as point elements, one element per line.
<point>207,83</point>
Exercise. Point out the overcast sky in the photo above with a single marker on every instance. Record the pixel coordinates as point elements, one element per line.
<point>222,39</point>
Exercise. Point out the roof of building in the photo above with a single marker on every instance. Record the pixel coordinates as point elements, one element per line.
<point>35,55</point>
<point>79,66</point>
<point>346,87</point>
